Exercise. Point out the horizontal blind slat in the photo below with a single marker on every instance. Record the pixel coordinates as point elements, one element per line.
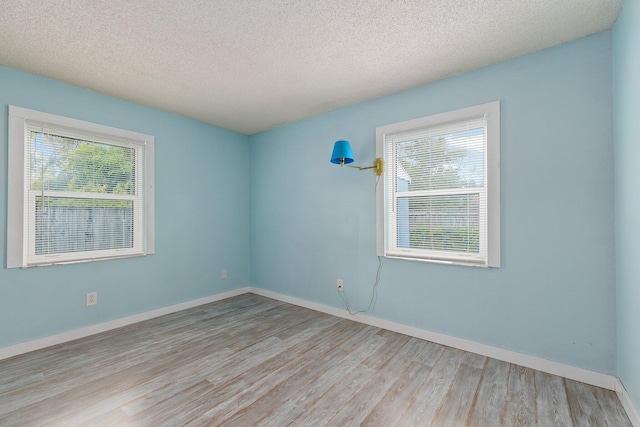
<point>85,197</point>
<point>437,190</point>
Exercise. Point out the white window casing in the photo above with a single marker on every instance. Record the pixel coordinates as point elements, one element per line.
<point>60,214</point>
<point>440,198</point>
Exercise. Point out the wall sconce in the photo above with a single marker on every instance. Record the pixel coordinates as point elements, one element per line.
<point>342,155</point>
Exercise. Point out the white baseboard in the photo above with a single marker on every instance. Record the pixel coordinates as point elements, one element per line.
<point>567,371</point>
<point>49,341</point>
<point>627,403</point>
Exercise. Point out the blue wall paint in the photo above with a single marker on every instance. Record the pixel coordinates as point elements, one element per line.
<point>313,222</point>
<point>202,212</point>
<point>626,66</point>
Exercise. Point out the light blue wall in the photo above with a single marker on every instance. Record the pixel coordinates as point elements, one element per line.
<point>312,222</point>
<point>554,297</point>
<point>202,212</point>
<point>626,66</point>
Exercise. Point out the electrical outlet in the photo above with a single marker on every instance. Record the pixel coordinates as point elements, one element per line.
<point>223,274</point>
<point>92,298</point>
<point>340,285</point>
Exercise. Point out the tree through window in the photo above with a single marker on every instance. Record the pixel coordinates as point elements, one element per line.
<point>86,194</point>
<point>437,191</point>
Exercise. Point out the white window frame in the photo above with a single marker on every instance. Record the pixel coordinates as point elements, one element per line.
<point>385,222</point>
<point>21,222</point>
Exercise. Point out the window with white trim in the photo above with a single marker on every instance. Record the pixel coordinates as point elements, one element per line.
<point>78,191</point>
<point>440,200</point>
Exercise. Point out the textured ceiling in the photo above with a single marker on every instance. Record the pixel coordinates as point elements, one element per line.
<point>250,65</point>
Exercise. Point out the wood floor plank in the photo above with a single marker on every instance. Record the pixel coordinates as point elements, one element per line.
<point>243,391</point>
<point>389,411</point>
<point>392,345</point>
<point>591,406</point>
<point>520,408</point>
<point>491,395</point>
<point>292,347</point>
<point>154,391</point>
<point>582,403</point>
<point>251,360</point>
<point>355,392</point>
<point>421,355</point>
<point>62,404</point>
<point>314,407</point>
<point>428,352</point>
<point>425,403</point>
<point>71,382</point>
<point>112,418</point>
<point>218,367</point>
<point>455,408</point>
<point>612,411</point>
<point>360,404</point>
<point>551,400</point>
<point>323,375</point>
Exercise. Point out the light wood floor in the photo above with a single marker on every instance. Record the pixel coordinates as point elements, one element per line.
<point>253,361</point>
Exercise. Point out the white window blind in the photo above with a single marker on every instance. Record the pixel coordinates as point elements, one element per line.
<point>436,189</point>
<point>85,195</point>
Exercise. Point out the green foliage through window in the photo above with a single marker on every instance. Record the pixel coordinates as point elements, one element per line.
<point>64,223</point>
<point>66,164</point>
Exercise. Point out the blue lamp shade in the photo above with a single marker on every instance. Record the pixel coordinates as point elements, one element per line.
<point>342,150</point>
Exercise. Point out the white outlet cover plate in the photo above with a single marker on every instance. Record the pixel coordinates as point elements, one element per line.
<point>92,298</point>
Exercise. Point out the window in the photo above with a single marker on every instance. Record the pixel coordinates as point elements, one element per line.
<point>440,200</point>
<point>78,191</point>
